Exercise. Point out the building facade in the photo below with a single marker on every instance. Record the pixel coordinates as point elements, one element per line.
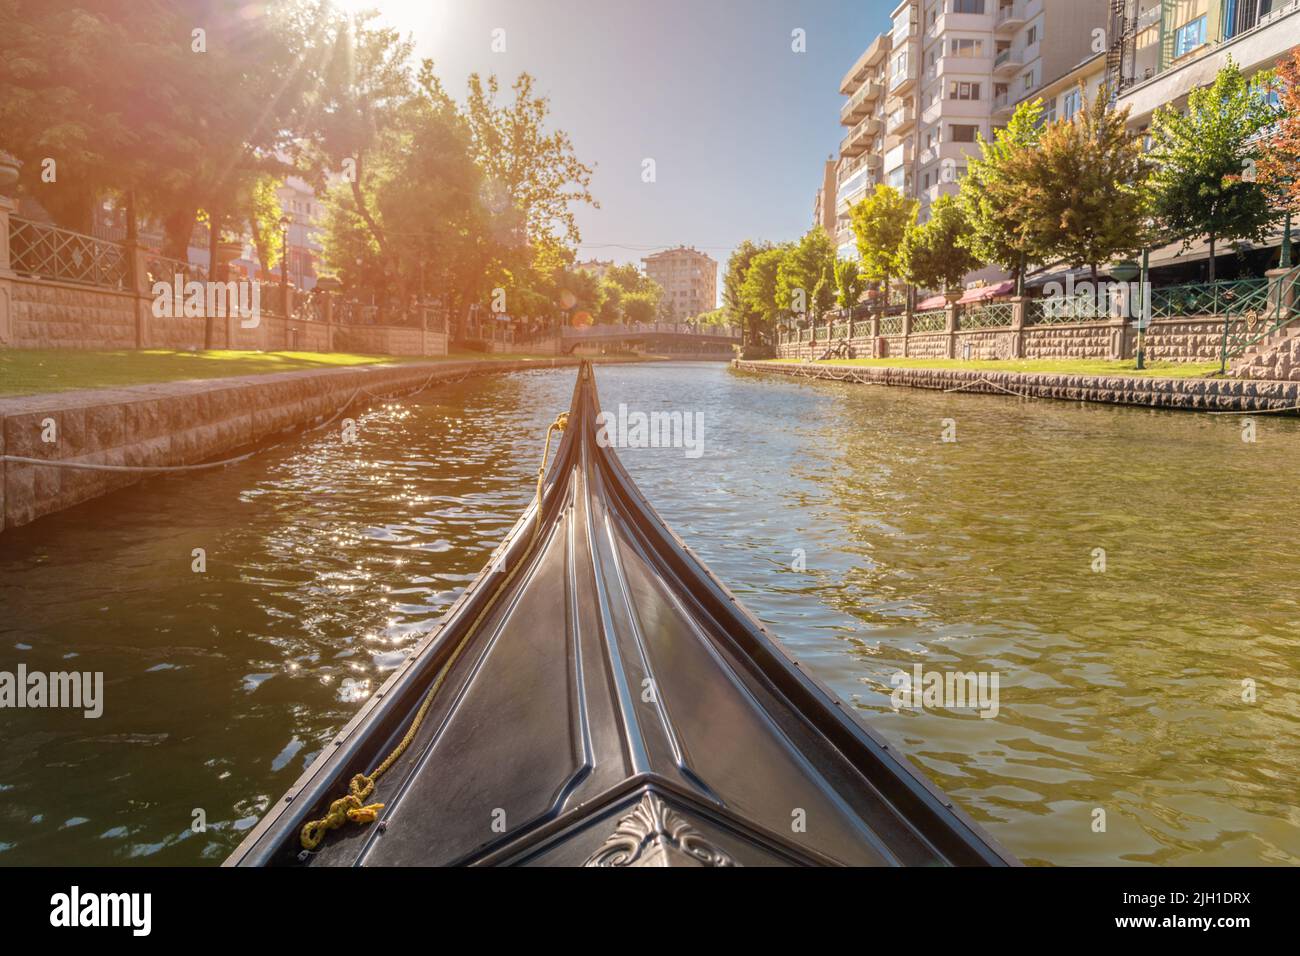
<point>1163,50</point>
<point>947,73</point>
<point>689,279</point>
<point>597,267</point>
<point>824,204</point>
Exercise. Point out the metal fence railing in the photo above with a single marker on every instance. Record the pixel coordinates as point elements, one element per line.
<point>1208,298</point>
<point>990,316</point>
<point>931,320</point>
<point>48,252</point>
<point>891,325</point>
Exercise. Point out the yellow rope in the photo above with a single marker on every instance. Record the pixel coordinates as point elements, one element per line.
<point>352,807</point>
<point>560,424</point>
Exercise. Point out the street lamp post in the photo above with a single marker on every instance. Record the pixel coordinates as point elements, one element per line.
<point>285,222</point>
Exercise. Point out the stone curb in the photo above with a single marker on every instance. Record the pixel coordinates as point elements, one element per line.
<point>184,423</point>
<point>1187,394</point>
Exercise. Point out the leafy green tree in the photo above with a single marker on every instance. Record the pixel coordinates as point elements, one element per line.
<point>989,193</point>
<point>1198,188</point>
<point>537,170</point>
<point>716,318</point>
<point>733,281</point>
<point>805,279</point>
<point>1081,192</point>
<point>611,308</point>
<point>364,83</point>
<point>760,290</point>
<point>934,256</point>
<point>849,283</point>
<point>640,308</point>
<point>880,221</point>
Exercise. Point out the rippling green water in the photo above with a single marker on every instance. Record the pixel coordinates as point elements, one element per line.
<point>1119,690</point>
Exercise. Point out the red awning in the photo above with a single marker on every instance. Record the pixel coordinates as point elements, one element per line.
<point>988,292</point>
<point>970,295</point>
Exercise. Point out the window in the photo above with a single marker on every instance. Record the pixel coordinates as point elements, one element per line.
<point>1071,102</point>
<point>961,90</point>
<point>1029,80</point>
<point>1189,36</point>
<point>966,48</point>
<point>968,6</point>
<point>962,134</point>
<point>1031,35</point>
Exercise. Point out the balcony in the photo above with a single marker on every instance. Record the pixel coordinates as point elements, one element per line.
<point>1003,106</point>
<point>904,82</point>
<point>1008,62</point>
<point>901,120</point>
<point>860,137</point>
<point>860,103</point>
<point>1010,18</point>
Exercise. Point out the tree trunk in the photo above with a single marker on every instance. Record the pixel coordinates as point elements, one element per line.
<point>1213,240</point>
<point>364,211</point>
<point>178,226</point>
<point>214,240</point>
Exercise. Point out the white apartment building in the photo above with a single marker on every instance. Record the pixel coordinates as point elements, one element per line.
<point>950,71</point>
<point>862,149</point>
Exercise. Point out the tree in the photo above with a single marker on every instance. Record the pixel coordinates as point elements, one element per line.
<point>805,278</point>
<point>1198,188</point>
<point>880,221</point>
<point>1080,194</point>
<point>760,288</point>
<point>537,170</point>
<point>733,281</point>
<point>1279,164</point>
<point>611,307</point>
<point>363,85</point>
<point>933,254</point>
<point>988,193</point>
<point>849,283</point>
<point>639,308</point>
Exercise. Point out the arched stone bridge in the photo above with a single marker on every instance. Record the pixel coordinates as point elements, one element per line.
<point>660,338</point>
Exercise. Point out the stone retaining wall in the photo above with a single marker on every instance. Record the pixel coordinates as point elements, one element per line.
<point>45,314</point>
<point>1189,339</point>
<point>180,423</point>
<point>1197,394</point>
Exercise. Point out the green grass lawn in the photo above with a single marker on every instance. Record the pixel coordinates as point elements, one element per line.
<point>30,371</point>
<point>1057,366</point>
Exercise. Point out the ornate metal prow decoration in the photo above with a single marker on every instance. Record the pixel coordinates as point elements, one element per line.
<point>654,834</point>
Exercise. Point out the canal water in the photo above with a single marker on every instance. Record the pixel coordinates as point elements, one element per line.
<point>1130,576</point>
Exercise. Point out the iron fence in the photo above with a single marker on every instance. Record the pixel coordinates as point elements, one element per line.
<point>931,320</point>
<point>1209,298</point>
<point>48,252</point>
<point>990,316</point>
<point>891,325</point>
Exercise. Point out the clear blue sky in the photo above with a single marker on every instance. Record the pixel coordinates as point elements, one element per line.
<point>737,123</point>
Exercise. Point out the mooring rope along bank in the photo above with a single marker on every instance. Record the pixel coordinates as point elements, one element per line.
<point>154,469</point>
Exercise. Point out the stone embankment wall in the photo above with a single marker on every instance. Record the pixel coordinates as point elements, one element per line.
<point>1188,339</point>
<point>1195,394</point>
<point>182,423</point>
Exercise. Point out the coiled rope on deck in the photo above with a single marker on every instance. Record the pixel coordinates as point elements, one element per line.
<point>351,807</point>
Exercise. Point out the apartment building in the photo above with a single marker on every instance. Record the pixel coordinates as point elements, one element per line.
<point>946,73</point>
<point>1163,50</point>
<point>1064,96</point>
<point>862,149</point>
<point>824,204</point>
<point>597,267</point>
<point>690,281</point>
